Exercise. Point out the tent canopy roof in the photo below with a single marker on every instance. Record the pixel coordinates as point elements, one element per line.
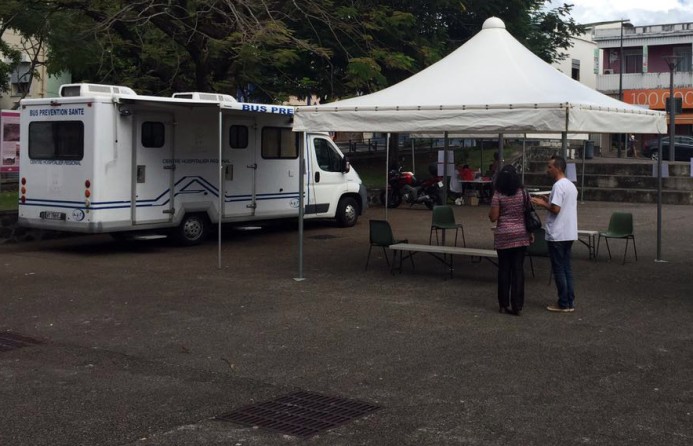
<point>492,83</point>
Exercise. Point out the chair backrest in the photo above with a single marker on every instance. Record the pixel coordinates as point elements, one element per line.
<point>381,233</point>
<point>539,247</point>
<point>621,223</point>
<point>443,215</point>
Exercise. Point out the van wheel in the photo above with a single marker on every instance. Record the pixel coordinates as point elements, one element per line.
<point>192,230</point>
<point>347,212</point>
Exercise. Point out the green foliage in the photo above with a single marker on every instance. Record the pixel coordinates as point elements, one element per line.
<point>365,74</point>
<point>551,32</point>
<point>6,68</point>
<point>270,49</point>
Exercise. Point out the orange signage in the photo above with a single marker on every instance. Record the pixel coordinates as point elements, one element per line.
<point>654,99</point>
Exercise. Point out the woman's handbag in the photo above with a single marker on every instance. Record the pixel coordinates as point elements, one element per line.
<point>532,220</point>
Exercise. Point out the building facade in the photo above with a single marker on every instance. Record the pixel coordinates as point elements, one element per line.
<point>581,61</point>
<point>645,77</point>
<point>41,85</point>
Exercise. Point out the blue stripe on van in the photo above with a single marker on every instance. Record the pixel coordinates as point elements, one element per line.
<point>188,185</point>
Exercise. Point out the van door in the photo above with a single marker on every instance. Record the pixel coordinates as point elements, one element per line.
<point>153,169</point>
<point>327,178</point>
<point>240,167</point>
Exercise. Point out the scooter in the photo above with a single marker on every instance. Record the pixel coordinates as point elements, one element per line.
<point>404,187</point>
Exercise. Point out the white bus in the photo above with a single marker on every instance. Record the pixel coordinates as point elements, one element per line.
<point>102,159</point>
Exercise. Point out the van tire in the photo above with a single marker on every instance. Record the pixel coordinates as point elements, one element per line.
<point>347,212</point>
<point>192,230</point>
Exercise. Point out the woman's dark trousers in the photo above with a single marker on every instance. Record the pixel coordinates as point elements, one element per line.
<point>511,277</point>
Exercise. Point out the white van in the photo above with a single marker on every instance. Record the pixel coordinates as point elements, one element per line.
<point>101,158</point>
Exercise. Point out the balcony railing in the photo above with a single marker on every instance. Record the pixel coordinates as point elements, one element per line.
<point>608,83</point>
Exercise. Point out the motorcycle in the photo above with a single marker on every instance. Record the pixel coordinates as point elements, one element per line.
<point>404,187</point>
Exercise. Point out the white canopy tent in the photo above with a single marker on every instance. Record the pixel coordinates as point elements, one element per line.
<point>493,85</point>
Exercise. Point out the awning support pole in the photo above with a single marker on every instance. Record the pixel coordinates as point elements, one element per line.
<point>220,209</point>
<point>301,203</point>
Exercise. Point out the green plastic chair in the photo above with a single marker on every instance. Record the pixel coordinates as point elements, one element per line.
<point>538,248</point>
<point>620,226</point>
<point>381,236</point>
<point>444,218</point>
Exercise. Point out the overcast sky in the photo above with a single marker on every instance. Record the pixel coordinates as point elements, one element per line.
<point>640,12</point>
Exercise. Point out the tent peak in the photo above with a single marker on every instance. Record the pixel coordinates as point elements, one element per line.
<point>493,22</point>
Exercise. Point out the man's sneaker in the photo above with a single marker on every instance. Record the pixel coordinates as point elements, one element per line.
<point>557,309</point>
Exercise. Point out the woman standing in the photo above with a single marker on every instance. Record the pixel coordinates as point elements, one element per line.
<point>510,240</point>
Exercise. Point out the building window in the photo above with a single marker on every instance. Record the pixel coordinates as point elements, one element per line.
<point>633,60</point>
<point>684,52</point>
<point>575,69</point>
<point>20,79</point>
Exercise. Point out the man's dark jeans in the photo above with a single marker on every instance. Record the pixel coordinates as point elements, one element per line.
<point>559,252</point>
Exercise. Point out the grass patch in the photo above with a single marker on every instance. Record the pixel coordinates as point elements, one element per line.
<point>8,200</point>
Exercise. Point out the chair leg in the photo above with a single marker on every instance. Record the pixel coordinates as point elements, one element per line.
<point>606,239</point>
<point>368,258</point>
<point>456,231</point>
<point>387,258</point>
<point>634,249</point>
<point>625,252</point>
<point>437,239</point>
<point>430,235</point>
<point>464,241</point>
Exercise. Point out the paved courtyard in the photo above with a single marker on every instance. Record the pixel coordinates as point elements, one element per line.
<point>145,343</point>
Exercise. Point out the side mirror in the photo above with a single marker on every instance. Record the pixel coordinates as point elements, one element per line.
<point>346,165</point>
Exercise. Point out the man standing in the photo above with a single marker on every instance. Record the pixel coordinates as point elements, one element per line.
<point>561,231</point>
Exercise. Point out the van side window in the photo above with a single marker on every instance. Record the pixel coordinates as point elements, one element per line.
<point>325,155</point>
<point>153,134</point>
<point>56,140</point>
<point>238,137</point>
<point>279,143</point>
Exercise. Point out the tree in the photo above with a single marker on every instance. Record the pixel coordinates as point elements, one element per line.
<point>266,50</point>
<point>15,17</point>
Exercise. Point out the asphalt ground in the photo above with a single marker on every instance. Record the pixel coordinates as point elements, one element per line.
<point>145,343</point>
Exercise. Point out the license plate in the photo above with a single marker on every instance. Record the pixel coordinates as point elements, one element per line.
<point>51,215</point>
<point>440,184</point>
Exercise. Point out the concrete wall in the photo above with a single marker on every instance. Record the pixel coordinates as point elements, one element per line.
<point>583,50</point>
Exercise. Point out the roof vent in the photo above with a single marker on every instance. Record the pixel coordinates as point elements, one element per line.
<point>214,97</point>
<point>71,90</point>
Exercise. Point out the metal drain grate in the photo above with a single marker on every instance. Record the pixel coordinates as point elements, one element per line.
<point>12,341</point>
<point>322,237</point>
<point>301,414</point>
